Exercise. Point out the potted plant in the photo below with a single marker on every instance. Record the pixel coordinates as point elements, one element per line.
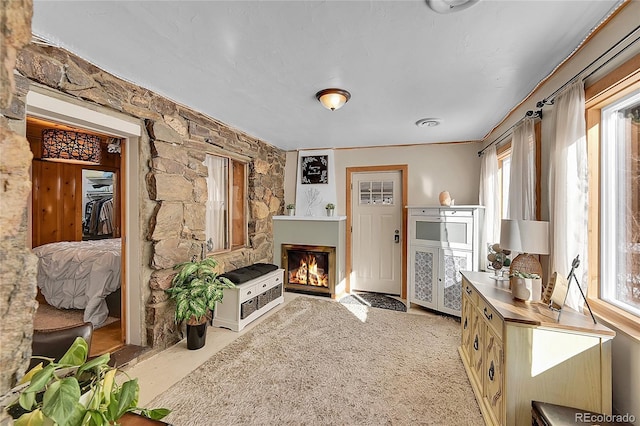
<point>330,209</point>
<point>291,209</point>
<point>74,391</point>
<point>526,286</point>
<point>196,288</point>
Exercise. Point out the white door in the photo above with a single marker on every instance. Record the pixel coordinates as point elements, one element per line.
<point>376,206</point>
<point>423,276</point>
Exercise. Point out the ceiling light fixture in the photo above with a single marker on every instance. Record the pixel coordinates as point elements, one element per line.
<point>449,6</point>
<point>333,99</point>
<point>428,122</point>
<point>71,147</point>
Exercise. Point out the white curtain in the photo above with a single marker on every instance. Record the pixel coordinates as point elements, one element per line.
<point>522,182</point>
<point>568,183</point>
<point>215,229</point>
<point>490,199</point>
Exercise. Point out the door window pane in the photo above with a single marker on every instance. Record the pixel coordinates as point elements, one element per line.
<point>376,193</point>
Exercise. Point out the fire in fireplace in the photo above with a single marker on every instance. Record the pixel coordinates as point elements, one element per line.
<point>309,268</point>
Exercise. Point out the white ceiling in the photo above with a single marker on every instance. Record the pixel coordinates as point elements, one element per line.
<point>256,65</point>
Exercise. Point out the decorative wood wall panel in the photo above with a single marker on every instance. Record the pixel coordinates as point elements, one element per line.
<point>57,192</point>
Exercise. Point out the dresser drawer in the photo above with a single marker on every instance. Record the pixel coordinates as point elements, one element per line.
<point>268,283</point>
<point>470,293</point>
<point>490,317</point>
<point>248,292</point>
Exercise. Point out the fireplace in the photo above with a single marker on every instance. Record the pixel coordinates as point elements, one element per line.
<point>309,268</point>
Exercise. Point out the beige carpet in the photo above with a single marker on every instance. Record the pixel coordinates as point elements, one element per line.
<point>319,362</point>
<point>48,317</point>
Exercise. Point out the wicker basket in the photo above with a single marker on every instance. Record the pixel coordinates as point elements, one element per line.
<point>264,299</point>
<point>276,292</point>
<point>248,307</point>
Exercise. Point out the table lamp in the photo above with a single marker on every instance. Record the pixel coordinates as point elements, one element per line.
<point>527,237</point>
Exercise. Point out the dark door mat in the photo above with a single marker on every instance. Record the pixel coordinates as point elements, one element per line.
<point>375,300</point>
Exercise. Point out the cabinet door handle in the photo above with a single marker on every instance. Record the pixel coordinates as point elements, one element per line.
<point>487,314</point>
<point>465,324</point>
<point>468,290</point>
<point>491,371</point>
<point>249,292</point>
<point>475,343</point>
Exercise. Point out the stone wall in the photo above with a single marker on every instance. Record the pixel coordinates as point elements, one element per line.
<point>17,264</point>
<point>172,148</point>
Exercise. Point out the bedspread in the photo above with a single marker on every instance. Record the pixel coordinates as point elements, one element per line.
<point>79,275</point>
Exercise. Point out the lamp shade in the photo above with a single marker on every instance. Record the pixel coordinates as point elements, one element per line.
<point>70,146</point>
<point>525,236</point>
<point>333,99</point>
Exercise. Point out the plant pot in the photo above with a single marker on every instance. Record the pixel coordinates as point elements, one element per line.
<point>196,336</point>
<point>527,289</point>
<point>330,212</point>
<point>291,212</point>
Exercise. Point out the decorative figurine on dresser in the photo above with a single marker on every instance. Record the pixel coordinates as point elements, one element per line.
<point>443,240</point>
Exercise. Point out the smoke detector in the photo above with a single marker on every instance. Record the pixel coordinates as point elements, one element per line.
<point>428,122</point>
<point>449,6</point>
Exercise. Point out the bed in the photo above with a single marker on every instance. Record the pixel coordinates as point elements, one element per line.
<point>79,275</point>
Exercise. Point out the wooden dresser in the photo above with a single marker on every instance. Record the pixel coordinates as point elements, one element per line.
<point>516,352</point>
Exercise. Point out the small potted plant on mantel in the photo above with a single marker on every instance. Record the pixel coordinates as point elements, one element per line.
<point>196,288</point>
<point>330,209</point>
<point>291,209</point>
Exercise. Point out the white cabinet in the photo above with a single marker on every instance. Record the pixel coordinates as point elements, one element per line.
<point>442,242</point>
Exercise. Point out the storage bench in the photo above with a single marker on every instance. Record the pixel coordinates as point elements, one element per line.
<point>259,288</point>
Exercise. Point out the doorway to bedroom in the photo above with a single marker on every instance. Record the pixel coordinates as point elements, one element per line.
<point>76,230</point>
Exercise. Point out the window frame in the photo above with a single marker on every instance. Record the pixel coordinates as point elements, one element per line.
<point>232,204</point>
<point>503,152</point>
<point>614,86</point>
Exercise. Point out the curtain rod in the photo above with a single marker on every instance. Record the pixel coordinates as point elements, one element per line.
<point>550,99</point>
<point>534,114</point>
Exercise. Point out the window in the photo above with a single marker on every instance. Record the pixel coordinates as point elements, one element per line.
<point>378,192</point>
<point>226,224</point>
<point>620,206</point>
<point>504,171</point>
<point>613,137</point>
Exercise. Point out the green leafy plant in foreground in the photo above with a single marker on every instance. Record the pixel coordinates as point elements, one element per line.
<point>75,391</point>
<point>196,288</point>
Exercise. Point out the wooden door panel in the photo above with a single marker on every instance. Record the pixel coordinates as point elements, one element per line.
<point>68,214</point>
<point>46,211</point>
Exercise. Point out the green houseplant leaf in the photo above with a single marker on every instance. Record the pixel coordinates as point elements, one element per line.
<point>196,288</point>
<point>60,398</point>
<point>77,353</point>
